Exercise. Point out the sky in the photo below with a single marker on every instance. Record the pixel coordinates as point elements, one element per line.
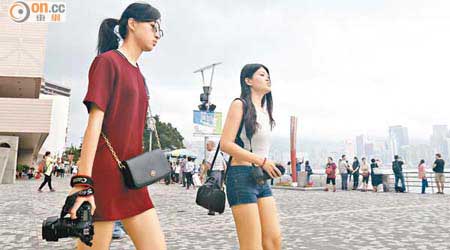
<point>344,68</point>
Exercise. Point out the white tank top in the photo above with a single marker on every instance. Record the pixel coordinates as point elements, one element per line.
<point>262,136</point>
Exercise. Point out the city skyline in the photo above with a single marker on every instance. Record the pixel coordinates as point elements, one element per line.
<point>343,70</point>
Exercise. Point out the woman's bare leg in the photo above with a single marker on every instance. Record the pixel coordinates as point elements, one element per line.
<point>271,233</point>
<point>145,231</point>
<point>248,226</point>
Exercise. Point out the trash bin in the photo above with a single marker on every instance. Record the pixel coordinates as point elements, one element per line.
<point>386,183</point>
<point>301,179</point>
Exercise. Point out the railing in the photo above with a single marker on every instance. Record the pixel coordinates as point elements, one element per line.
<point>412,180</point>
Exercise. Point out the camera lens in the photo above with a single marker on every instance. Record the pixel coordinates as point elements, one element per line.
<point>49,229</point>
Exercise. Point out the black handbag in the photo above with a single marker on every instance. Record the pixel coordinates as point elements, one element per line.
<point>211,195</point>
<point>144,169</point>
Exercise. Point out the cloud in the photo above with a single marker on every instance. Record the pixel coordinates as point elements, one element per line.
<point>343,68</point>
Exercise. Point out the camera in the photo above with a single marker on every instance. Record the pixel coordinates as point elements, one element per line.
<point>261,176</point>
<point>54,228</point>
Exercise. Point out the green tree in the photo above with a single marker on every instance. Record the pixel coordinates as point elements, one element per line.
<point>76,151</point>
<point>170,136</point>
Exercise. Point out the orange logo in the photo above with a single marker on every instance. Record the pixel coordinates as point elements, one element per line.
<point>19,12</point>
<point>37,11</point>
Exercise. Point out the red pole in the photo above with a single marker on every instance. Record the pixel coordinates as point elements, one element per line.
<point>294,148</point>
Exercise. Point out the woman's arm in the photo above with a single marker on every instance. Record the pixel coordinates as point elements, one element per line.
<point>228,145</point>
<point>87,156</point>
<point>90,140</point>
<point>230,130</point>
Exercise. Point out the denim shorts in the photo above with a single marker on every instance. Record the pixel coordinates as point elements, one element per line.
<point>242,187</point>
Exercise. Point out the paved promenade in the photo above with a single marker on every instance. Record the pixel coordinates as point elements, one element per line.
<point>310,220</point>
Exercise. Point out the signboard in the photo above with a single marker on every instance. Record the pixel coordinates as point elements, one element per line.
<point>207,123</point>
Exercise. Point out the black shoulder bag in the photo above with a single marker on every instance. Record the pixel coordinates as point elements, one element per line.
<point>211,195</point>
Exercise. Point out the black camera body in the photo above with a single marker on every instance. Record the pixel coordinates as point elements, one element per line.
<point>54,228</point>
<point>261,176</point>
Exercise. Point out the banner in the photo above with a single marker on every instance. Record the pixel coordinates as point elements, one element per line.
<point>207,123</point>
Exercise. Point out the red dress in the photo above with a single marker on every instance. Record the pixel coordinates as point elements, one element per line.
<point>117,88</point>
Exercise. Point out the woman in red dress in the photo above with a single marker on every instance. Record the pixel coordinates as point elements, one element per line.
<point>117,101</point>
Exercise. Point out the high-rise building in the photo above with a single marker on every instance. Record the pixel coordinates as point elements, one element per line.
<point>25,118</point>
<point>438,140</point>
<point>360,141</point>
<point>349,149</point>
<point>398,137</point>
<point>369,149</point>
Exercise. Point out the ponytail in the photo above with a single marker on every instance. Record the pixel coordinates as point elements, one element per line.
<point>107,38</point>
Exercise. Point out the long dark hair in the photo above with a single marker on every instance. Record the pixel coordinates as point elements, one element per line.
<point>250,115</point>
<point>107,38</point>
<point>421,162</point>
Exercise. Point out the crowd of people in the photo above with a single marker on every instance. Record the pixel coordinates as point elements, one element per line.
<point>49,167</point>
<point>354,175</point>
<point>58,168</point>
<point>363,170</point>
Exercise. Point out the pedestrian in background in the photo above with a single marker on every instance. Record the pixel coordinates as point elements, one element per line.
<point>47,172</point>
<point>422,170</point>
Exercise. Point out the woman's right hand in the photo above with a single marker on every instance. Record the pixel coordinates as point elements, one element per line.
<point>271,169</point>
<point>79,201</point>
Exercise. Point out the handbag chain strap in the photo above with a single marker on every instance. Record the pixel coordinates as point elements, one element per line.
<point>108,143</point>
<point>119,163</point>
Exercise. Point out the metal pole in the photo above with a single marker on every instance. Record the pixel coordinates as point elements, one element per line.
<point>203,78</point>
<point>212,74</point>
<point>150,133</point>
<point>294,148</point>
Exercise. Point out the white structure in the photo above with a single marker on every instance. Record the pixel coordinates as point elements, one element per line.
<point>57,138</point>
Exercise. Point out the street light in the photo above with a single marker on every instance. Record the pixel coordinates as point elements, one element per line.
<point>206,105</point>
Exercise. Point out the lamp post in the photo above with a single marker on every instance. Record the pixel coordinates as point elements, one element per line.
<point>151,123</point>
<point>206,104</point>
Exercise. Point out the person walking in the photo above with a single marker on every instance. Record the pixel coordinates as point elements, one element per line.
<point>183,171</point>
<point>117,103</point>
<point>246,138</point>
<point>62,169</point>
<point>218,170</point>
<point>47,172</point>
<point>189,171</point>
<point>438,169</point>
<point>177,171</point>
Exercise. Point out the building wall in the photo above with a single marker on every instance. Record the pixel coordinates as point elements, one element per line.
<point>22,45</point>
<point>8,155</point>
<point>25,115</point>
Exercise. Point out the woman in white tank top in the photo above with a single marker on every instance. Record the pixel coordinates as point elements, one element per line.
<point>252,203</point>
